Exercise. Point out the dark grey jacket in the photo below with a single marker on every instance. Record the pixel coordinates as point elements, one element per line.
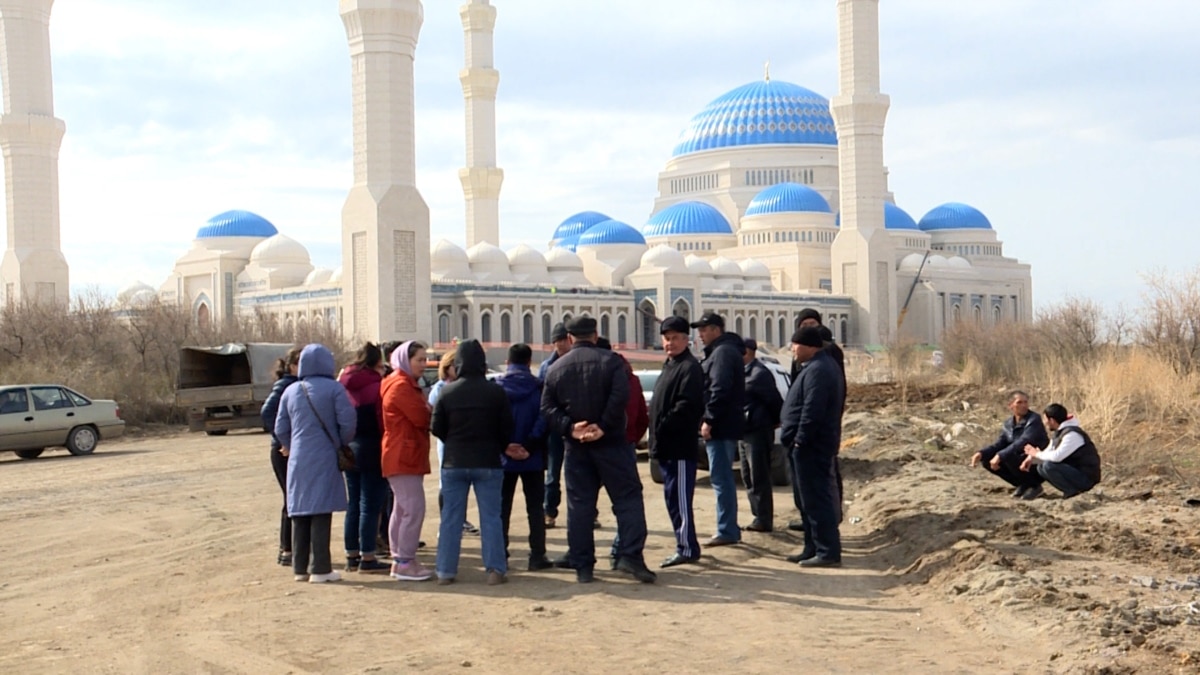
<point>1015,434</point>
<point>725,387</point>
<point>812,412</point>
<point>587,384</point>
<point>677,409</point>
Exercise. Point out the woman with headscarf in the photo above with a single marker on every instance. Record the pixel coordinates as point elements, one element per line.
<point>406,457</point>
<point>315,419</point>
<point>285,375</point>
<point>365,486</point>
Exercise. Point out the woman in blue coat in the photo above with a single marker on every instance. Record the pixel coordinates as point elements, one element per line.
<point>315,418</point>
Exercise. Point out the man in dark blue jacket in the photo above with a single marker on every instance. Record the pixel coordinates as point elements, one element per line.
<point>529,431</point>
<point>554,442</point>
<point>724,418</point>
<point>675,415</point>
<point>812,431</point>
<point>1004,457</point>
<point>763,404</point>
<point>583,400</point>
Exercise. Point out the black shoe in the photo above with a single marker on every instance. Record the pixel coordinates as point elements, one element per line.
<point>596,524</point>
<point>678,559</point>
<point>353,563</point>
<point>584,575</point>
<point>1032,493</point>
<point>561,563</point>
<point>637,569</point>
<point>612,563</point>
<point>801,557</point>
<point>539,563</point>
<point>757,526</point>
<point>820,562</point>
<point>420,544</point>
<point>796,525</point>
<point>1016,494</point>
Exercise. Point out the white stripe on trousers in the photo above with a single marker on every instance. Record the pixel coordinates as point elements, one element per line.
<point>681,488</point>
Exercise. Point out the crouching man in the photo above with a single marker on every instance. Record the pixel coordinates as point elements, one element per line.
<point>1004,457</point>
<point>1071,462</point>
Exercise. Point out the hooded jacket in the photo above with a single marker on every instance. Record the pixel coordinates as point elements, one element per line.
<point>364,387</point>
<point>812,412</point>
<point>314,484</point>
<point>405,426</point>
<point>676,409</point>
<point>270,408</point>
<point>763,402</point>
<point>587,384</point>
<point>524,391</point>
<point>724,387</point>
<point>472,416</point>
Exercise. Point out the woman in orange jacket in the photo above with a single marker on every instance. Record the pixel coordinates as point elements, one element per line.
<point>405,457</point>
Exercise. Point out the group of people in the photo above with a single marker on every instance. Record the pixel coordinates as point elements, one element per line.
<point>1025,455</point>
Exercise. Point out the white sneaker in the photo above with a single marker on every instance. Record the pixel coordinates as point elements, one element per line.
<point>322,578</point>
<point>301,577</point>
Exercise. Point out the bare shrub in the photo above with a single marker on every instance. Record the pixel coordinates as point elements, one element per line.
<point>1171,325</point>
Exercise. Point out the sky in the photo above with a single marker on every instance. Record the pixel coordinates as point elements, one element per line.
<point>1071,124</point>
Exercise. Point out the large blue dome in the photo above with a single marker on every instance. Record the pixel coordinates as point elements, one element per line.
<point>611,232</point>
<point>787,198</point>
<point>570,243</point>
<point>760,113</point>
<point>237,224</point>
<point>578,224</point>
<point>687,218</point>
<point>894,218</point>
<point>955,216</point>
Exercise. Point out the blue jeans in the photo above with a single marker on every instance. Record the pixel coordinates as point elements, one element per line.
<point>555,451</point>
<point>365,489</point>
<point>455,485</point>
<point>721,453</point>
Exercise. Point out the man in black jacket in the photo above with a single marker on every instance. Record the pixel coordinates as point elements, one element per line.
<point>584,400</point>
<point>724,418</point>
<point>1005,456</point>
<point>676,411</point>
<point>763,404</point>
<point>812,431</point>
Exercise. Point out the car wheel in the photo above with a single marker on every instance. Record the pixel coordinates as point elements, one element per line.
<point>781,470</point>
<point>82,440</point>
<point>656,474</point>
<point>217,432</point>
<point>30,454</point>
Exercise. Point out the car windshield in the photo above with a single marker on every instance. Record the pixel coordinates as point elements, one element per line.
<point>648,379</point>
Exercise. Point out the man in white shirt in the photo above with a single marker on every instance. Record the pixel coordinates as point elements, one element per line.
<point>1071,462</point>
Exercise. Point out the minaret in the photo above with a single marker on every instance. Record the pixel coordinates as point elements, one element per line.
<point>481,179</point>
<point>385,222</point>
<point>863,261</point>
<point>33,268</point>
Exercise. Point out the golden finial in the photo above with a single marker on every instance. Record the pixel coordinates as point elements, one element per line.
<point>767,68</point>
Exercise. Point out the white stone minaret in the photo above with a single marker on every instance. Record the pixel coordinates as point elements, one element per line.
<point>33,267</point>
<point>863,260</point>
<point>481,179</point>
<point>385,222</point>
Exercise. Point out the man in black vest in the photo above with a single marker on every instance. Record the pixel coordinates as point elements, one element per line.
<point>584,400</point>
<point>1071,462</point>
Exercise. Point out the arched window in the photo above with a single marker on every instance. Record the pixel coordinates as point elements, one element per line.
<point>604,326</point>
<point>956,313</point>
<point>767,324</point>
<point>753,328</point>
<point>978,312</point>
<point>485,327</point>
<point>649,329</point>
<point>682,309</point>
<point>783,334</point>
<point>622,329</point>
<point>506,328</point>
<point>443,327</point>
<point>466,327</point>
<point>527,329</point>
<point>203,317</point>
<point>546,328</point>
<point>738,325</point>
<point>995,314</point>
<point>843,333</point>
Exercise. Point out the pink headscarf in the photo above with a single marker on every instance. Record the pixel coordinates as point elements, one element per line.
<point>399,359</point>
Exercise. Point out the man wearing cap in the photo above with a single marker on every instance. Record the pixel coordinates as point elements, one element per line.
<point>763,404</point>
<point>554,442</point>
<point>676,411</point>
<point>812,432</point>
<point>724,410</point>
<point>584,400</point>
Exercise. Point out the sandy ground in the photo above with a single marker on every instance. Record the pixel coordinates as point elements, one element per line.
<point>158,555</point>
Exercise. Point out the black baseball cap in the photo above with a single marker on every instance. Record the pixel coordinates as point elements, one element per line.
<point>710,319</point>
<point>676,324</point>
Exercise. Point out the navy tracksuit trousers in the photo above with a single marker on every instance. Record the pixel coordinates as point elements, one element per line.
<point>679,489</point>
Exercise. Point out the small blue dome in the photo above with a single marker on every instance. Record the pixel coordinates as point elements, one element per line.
<point>578,224</point>
<point>610,232</point>
<point>570,243</point>
<point>787,198</point>
<point>687,218</point>
<point>955,216</point>
<point>760,113</point>
<point>237,224</point>
<point>896,218</point>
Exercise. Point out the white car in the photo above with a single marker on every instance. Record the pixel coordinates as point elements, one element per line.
<point>779,465</point>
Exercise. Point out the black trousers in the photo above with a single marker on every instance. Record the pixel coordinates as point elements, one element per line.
<point>533,484</point>
<point>1012,474</point>
<point>614,467</point>
<point>756,475</point>
<point>311,534</point>
<point>815,472</point>
<point>279,466</point>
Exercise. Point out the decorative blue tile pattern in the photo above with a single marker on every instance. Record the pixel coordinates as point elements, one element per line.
<point>760,113</point>
<point>955,216</point>
<point>788,198</point>
<point>687,218</point>
<point>611,232</point>
<point>237,224</point>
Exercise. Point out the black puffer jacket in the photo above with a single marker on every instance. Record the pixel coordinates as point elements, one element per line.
<point>725,387</point>
<point>677,409</point>
<point>472,416</point>
<point>270,407</point>
<point>1015,434</point>
<point>587,384</point>
<point>812,413</point>
<point>763,402</point>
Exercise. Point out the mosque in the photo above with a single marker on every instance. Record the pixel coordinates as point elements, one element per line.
<point>774,199</point>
